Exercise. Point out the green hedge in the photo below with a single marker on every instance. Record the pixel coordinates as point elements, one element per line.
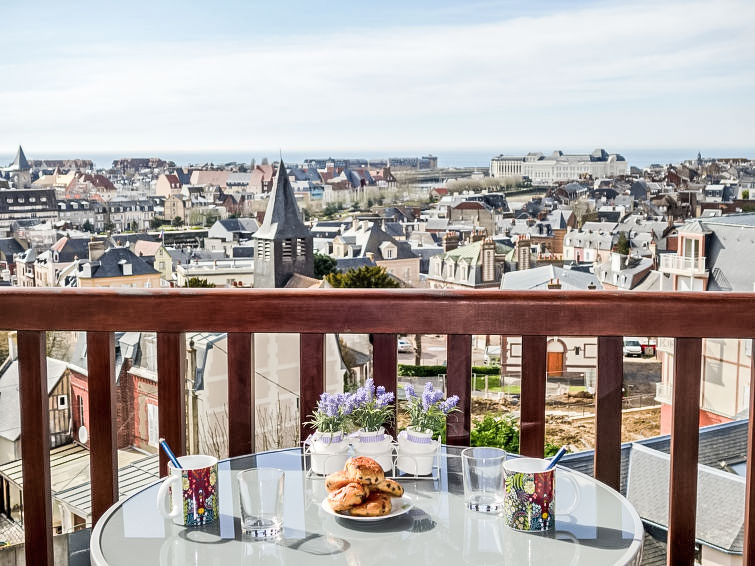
<point>421,371</point>
<point>486,370</point>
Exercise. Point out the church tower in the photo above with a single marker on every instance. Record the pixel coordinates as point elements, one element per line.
<point>20,171</point>
<point>283,244</point>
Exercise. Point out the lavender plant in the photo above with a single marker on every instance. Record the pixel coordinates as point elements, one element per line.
<point>429,410</point>
<point>333,412</point>
<point>373,407</point>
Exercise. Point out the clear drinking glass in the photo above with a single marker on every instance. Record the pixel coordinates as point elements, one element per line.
<point>261,495</point>
<point>482,470</point>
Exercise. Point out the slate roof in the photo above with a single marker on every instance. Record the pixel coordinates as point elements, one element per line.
<point>346,263</point>
<point>732,238</point>
<point>282,217</point>
<point>68,249</point>
<point>371,240</point>
<point>240,224</point>
<point>109,264</point>
<point>537,279</point>
<point>720,501</point>
<point>10,402</point>
<point>8,247</point>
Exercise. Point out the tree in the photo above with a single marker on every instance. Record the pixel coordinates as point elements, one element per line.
<point>177,221</point>
<point>365,277</point>
<point>745,194</point>
<point>622,244</point>
<point>87,226</point>
<point>155,222</point>
<point>199,283</point>
<point>324,264</point>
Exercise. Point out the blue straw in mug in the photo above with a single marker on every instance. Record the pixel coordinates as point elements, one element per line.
<point>169,454</point>
<point>556,458</point>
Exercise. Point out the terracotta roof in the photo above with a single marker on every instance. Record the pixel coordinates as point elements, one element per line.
<point>145,248</point>
<point>469,205</point>
<point>299,281</point>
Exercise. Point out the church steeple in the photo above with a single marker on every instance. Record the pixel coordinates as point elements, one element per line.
<point>283,242</point>
<point>20,163</point>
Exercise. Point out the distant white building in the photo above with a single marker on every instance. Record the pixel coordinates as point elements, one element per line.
<point>558,166</point>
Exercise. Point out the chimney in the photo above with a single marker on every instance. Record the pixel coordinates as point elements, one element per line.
<point>616,261</point>
<point>450,242</point>
<point>96,249</point>
<point>554,284</point>
<point>12,345</point>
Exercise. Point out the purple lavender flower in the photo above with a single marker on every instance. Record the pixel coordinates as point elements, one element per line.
<point>437,396</point>
<point>409,390</point>
<point>369,388</point>
<point>449,404</point>
<point>380,390</point>
<point>361,397</point>
<point>384,400</point>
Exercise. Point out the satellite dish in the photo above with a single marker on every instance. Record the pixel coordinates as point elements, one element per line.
<point>83,435</point>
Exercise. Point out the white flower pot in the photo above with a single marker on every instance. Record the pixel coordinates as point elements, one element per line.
<point>376,445</point>
<point>329,452</point>
<point>416,452</point>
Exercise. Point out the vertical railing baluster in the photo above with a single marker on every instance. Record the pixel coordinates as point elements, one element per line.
<point>171,393</point>
<point>384,366</point>
<point>459,382</point>
<point>311,376</point>
<point>532,397</point>
<point>685,429</point>
<point>607,459</point>
<point>103,443</point>
<point>749,538</point>
<point>240,393</point>
<point>35,447</point>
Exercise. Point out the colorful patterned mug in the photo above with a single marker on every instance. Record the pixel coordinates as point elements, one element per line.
<point>529,502</point>
<point>192,491</point>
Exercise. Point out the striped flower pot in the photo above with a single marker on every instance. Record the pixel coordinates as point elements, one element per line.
<point>377,445</point>
<point>416,451</point>
<point>329,452</point>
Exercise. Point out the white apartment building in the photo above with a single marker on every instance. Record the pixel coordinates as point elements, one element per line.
<point>558,166</point>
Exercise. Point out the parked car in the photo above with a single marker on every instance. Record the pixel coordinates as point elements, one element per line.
<point>632,347</point>
<point>404,346</point>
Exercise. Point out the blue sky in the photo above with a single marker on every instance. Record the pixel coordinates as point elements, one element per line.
<point>424,76</point>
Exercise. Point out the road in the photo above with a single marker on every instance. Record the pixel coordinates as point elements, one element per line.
<point>434,351</point>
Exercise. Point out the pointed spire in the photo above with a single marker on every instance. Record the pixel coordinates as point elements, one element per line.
<point>282,217</point>
<point>20,163</point>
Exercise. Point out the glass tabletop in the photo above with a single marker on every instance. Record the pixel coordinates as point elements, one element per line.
<point>604,529</point>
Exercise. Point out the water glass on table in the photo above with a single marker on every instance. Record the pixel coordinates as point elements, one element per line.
<point>261,496</point>
<point>482,470</point>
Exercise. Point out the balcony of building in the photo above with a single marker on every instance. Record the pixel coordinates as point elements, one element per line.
<point>384,314</point>
<point>683,265</point>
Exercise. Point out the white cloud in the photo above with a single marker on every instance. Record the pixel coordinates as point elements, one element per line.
<point>572,78</point>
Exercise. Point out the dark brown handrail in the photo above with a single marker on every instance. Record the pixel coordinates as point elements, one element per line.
<point>313,313</point>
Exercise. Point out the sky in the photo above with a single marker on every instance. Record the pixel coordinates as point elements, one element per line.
<point>401,75</point>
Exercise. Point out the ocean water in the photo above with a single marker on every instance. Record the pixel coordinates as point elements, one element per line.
<point>638,157</point>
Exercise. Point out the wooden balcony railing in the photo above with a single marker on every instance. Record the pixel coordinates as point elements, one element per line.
<point>459,314</point>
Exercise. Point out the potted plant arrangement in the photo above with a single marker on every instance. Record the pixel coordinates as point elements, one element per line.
<point>373,408</point>
<point>329,444</point>
<point>427,414</point>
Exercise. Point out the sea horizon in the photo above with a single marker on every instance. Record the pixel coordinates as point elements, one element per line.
<point>479,158</point>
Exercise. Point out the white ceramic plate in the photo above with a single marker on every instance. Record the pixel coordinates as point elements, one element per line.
<point>399,506</point>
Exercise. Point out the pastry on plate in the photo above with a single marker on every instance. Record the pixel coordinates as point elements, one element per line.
<point>376,505</point>
<point>337,480</point>
<point>364,470</point>
<point>390,487</point>
<point>348,496</point>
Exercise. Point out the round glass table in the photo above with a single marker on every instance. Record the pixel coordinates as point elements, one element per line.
<point>604,529</point>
